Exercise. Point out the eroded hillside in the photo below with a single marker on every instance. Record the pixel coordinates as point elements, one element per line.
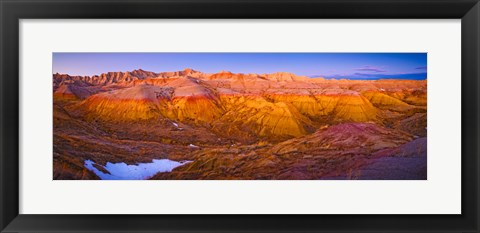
<point>235,126</point>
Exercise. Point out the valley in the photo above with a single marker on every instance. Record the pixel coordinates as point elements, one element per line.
<point>234,126</point>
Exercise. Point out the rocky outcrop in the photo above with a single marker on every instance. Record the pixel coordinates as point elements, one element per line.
<point>360,138</point>
<point>238,126</point>
<point>286,77</point>
<point>136,103</point>
<point>228,102</point>
<point>105,78</point>
<point>71,92</point>
<point>384,101</point>
<point>263,118</point>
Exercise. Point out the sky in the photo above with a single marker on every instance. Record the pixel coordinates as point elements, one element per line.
<point>363,66</point>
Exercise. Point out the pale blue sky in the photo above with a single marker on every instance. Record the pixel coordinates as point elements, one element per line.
<point>330,65</point>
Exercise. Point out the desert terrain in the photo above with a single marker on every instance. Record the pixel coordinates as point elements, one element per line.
<point>233,126</point>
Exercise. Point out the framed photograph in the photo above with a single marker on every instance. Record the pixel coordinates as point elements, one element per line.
<point>245,116</point>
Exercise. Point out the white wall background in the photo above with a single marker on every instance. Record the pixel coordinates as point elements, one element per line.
<point>440,194</point>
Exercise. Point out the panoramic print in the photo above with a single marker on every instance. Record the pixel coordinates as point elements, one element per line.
<point>240,116</point>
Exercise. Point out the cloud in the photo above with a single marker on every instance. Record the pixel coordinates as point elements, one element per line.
<point>370,69</point>
<point>421,68</point>
<point>364,74</point>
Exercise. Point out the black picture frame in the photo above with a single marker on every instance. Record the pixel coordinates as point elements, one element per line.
<point>12,11</point>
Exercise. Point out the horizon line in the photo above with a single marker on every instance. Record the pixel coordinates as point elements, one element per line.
<point>326,77</point>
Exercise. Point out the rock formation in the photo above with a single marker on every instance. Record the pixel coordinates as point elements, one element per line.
<point>241,126</point>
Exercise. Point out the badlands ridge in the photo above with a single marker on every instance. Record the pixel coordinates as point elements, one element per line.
<point>240,126</point>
